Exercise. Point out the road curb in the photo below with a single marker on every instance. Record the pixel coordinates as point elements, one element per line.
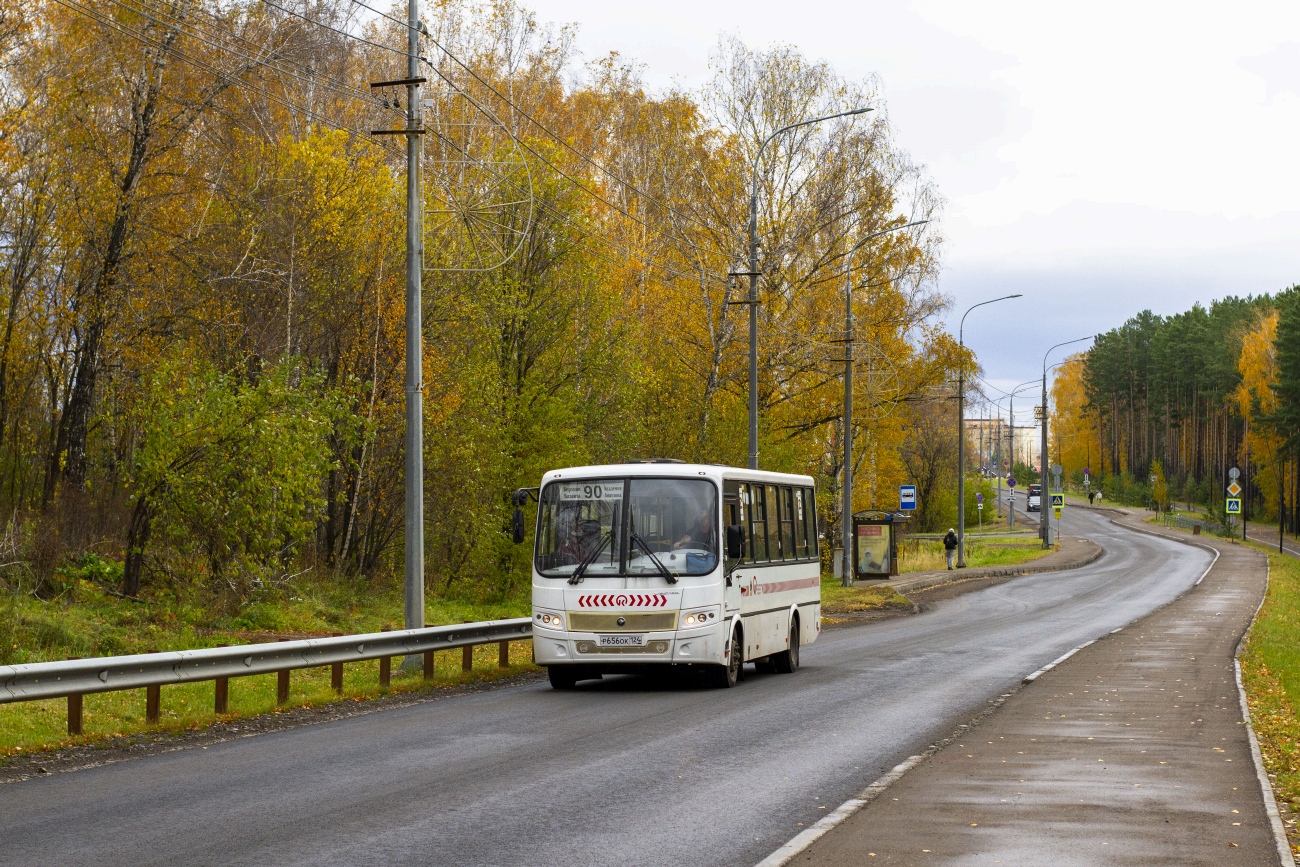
<point>1285,857</point>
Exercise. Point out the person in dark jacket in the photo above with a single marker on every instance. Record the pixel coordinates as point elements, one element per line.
<point>950,546</point>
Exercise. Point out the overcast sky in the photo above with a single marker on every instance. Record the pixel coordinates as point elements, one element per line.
<point>1100,158</point>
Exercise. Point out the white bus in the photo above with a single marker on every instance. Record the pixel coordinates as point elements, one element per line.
<point>662,563</point>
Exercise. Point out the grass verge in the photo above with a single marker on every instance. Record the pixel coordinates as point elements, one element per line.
<point>839,602</point>
<point>1270,671</point>
<point>919,555</point>
<point>27,727</point>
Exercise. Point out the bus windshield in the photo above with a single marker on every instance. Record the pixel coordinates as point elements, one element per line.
<point>578,522</point>
<point>674,521</point>
<point>671,526</point>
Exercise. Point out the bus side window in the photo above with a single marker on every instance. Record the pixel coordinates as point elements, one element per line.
<point>733,508</point>
<point>788,551</point>
<point>771,512</point>
<point>758,516</point>
<point>810,516</point>
<point>742,518</point>
<point>800,527</point>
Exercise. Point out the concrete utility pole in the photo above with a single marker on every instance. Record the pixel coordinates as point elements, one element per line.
<point>753,278</point>
<point>414,559</point>
<point>961,436</point>
<point>414,338</point>
<point>846,577</point>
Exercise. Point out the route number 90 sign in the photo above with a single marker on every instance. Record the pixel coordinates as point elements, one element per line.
<point>608,489</point>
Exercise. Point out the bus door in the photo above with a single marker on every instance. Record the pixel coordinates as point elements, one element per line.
<point>735,512</point>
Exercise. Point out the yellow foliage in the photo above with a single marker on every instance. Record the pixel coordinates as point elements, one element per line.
<point>1255,398</point>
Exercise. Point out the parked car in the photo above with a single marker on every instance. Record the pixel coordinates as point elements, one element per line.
<point>1034,499</point>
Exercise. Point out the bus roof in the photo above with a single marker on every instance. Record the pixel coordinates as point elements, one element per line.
<point>644,469</point>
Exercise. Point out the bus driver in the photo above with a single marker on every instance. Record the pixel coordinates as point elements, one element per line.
<point>700,535</point>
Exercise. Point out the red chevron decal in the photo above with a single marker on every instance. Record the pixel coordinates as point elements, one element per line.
<point>623,600</point>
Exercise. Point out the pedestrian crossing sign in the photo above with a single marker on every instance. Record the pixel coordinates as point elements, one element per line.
<point>1234,505</point>
<point>1058,501</point>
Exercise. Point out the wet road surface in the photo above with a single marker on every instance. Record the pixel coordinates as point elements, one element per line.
<point>624,771</point>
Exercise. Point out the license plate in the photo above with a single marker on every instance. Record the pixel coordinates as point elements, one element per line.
<point>620,640</point>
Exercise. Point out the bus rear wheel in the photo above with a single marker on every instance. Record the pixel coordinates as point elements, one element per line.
<point>787,661</point>
<point>562,676</point>
<point>728,675</point>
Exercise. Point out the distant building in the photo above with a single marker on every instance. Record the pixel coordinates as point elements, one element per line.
<point>988,440</point>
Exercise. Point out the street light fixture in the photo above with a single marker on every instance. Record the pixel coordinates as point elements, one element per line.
<point>1045,525</point>
<point>846,514</point>
<point>961,435</point>
<point>753,277</point>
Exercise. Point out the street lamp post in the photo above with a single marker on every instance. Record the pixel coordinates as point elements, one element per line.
<point>846,514</point>
<point>1011,437</point>
<point>997,458</point>
<point>961,435</point>
<point>1045,528</point>
<point>753,278</point>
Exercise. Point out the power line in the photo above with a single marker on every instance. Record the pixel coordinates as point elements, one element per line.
<point>191,27</point>
<point>553,135</point>
<point>219,73</point>
<point>540,157</point>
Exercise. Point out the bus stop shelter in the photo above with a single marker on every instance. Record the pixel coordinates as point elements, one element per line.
<point>875,543</point>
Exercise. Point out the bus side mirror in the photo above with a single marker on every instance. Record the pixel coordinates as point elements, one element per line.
<point>517,526</point>
<point>735,541</point>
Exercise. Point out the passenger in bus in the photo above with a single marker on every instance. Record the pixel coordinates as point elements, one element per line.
<point>700,535</point>
<point>580,537</point>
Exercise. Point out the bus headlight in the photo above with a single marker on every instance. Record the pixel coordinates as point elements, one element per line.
<point>550,621</point>
<point>702,617</point>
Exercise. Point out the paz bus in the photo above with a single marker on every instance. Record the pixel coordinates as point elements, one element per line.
<point>647,564</point>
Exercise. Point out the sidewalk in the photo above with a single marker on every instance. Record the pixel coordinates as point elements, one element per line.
<point>1133,752</point>
<point>1072,554</point>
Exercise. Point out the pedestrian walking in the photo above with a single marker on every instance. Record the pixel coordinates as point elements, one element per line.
<point>1091,494</point>
<point>950,546</point>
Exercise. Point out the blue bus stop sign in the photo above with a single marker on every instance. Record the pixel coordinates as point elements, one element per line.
<point>907,498</point>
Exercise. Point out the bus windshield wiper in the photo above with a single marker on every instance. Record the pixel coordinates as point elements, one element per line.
<point>663,570</point>
<point>591,558</point>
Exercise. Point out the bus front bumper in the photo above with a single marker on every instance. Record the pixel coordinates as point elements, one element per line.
<point>702,645</point>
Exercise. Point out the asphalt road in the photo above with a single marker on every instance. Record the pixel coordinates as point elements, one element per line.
<point>624,771</point>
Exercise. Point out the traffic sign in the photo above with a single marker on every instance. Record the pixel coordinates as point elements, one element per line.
<point>979,498</point>
<point>1011,482</point>
<point>1234,473</point>
<point>979,506</point>
<point>1234,506</point>
<point>1234,489</point>
<point>907,498</point>
<point>1058,501</point>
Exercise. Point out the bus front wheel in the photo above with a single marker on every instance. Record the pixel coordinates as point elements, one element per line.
<point>562,676</point>
<point>729,675</point>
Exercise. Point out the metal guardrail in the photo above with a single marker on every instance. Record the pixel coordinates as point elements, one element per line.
<point>151,671</point>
